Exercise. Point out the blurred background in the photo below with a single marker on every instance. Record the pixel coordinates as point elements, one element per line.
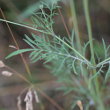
<point>20,11</point>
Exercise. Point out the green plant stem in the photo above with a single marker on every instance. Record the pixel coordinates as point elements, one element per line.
<point>74,17</point>
<point>103,62</point>
<point>23,25</point>
<point>87,16</point>
<point>96,83</point>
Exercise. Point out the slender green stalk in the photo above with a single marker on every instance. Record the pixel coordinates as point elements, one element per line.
<point>74,17</point>
<point>87,16</point>
<point>98,92</point>
<point>23,25</point>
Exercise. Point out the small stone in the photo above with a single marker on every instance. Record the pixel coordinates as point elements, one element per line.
<point>7,73</point>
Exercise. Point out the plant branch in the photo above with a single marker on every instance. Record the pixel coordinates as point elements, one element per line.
<point>48,33</point>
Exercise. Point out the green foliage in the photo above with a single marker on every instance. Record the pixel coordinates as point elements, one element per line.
<point>74,69</point>
<point>36,6</point>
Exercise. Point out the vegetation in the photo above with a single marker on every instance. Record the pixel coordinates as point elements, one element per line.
<point>85,78</point>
